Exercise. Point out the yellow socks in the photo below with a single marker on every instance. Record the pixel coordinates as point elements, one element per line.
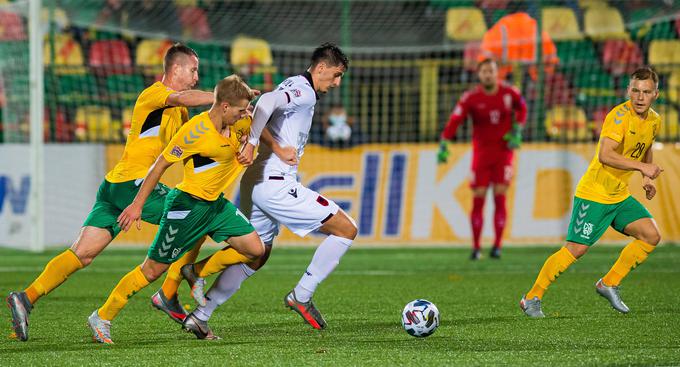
<point>130,284</point>
<point>631,256</point>
<point>219,261</point>
<point>553,267</point>
<point>56,271</point>
<point>174,277</point>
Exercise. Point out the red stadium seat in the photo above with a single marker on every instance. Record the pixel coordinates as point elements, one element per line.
<point>621,56</point>
<point>63,131</point>
<point>110,57</point>
<point>194,23</point>
<point>11,27</point>
<point>493,4</point>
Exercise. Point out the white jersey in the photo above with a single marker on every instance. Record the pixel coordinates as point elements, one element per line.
<point>289,126</point>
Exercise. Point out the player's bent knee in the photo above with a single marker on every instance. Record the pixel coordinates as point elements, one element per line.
<point>652,237</point>
<point>258,263</point>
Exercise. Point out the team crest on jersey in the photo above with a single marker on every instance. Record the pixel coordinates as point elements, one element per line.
<point>297,92</point>
<point>177,151</point>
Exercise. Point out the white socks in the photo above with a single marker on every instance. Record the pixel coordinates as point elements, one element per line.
<point>224,287</point>
<point>326,258</point>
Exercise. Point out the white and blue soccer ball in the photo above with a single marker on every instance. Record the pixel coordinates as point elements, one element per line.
<point>420,318</point>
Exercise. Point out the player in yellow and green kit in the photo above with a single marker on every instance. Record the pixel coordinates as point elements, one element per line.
<point>207,145</point>
<point>159,112</point>
<point>602,197</point>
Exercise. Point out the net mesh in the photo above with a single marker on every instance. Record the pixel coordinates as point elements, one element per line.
<point>411,60</point>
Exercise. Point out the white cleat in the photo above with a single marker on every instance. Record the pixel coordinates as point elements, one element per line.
<point>101,329</point>
<point>612,295</point>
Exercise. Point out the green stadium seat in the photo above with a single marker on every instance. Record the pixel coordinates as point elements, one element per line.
<point>72,89</point>
<point>602,23</point>
<point>465,24</point>
<point>575,52</point>
<point>209,75</point>
<point>210,55</point>
<point>125,88</point>
<point>669,126</point>
<point>561,23</point>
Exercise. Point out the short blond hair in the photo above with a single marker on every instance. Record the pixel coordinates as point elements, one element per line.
<point>232,90</point>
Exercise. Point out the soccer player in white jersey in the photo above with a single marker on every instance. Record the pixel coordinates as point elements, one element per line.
<point>284,117</point>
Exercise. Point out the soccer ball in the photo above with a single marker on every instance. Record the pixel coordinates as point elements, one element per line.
<point>420,318</point>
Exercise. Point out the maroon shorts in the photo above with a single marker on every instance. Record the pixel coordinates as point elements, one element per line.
<point>487,170</point>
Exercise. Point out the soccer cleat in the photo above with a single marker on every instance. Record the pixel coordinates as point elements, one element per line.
<point>495,253</point>
<point>307,310</point>
<point>531,307</point>
<point>101,329</point>
<point>20,307</point>
<point>612,295</point>
<point>170,306</point>
<point>196,283</point>
<point>476,255</point>
<point>199,327</point>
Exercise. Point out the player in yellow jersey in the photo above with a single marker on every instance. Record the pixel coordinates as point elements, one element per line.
<point>159,112</point>
<point>208,146</point>
<point>602,197</point>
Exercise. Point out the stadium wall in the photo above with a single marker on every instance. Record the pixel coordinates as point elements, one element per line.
<point>398,194</point>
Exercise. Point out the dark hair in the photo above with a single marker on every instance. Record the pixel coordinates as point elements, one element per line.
<point>331,55</point>
<point>488,60</point>
<point>172,53</point>
<point>645,73</point>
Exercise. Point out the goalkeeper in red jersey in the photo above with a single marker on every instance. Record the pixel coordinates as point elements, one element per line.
<point>498,113</point>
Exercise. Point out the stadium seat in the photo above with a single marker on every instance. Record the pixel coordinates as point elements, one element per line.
<point>124,88</point>
<point>68,55</point>
<point>62,130</point>
<point>194,23</point>
<point>669,125</point>
<point>492,4</point>
<point>561,24</point>
<point>72,89</point>
<point>566,123</point>
<point>664,55</point>
<point>470,55</point>
<point>599,114</point>
<point>673,88</point>
<point>601,23</point>
<point>149,55</point>
<point>11,27</point>
<point>59,17</point>
<point>110,57</point>
<point>590,4</point>
<point>93,124</point>
<point>465,24</point>
<point>250,51</point>
<point>127,121</point>
<point>621,56</point>
<point>210,74</point>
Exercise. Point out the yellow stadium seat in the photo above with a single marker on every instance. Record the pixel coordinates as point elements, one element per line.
<point>561,24</point>
<point>181,3</point>
<point>587,4</point>
<point>567,122</point>
<point>465,24</point>
<point>150,54</point>
<point>93,124</point>
<point>68,55</point>
<point>249,51</point>
<point>669,123</point>
<point>603,23</point>
<point>127,120</point>
<point>664,55</point>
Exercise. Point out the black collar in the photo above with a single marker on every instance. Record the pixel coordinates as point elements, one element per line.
<point>308,76</point>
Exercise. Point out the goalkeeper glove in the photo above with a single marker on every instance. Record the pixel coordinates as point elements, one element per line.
<point>514,136</point>
<point>443,153</point>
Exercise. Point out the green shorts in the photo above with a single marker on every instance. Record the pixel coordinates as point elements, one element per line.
<point>589,219</point>
<point>187,219</point>
<point>113,198</point>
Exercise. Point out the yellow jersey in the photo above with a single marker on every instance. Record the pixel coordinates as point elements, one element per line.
<point>153,125</point>
<point>210,164</point>
<point>609,185</point>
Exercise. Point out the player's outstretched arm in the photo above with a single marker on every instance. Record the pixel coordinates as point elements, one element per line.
<point>647,183</point>
<point>190,98</point>
<point>133,212</point>
<point>609,157</point>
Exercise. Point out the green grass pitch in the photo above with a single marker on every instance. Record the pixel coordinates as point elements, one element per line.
<point>481,323</point>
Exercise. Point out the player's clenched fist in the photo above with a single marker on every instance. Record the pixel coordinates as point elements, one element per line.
<point>651,170</point>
